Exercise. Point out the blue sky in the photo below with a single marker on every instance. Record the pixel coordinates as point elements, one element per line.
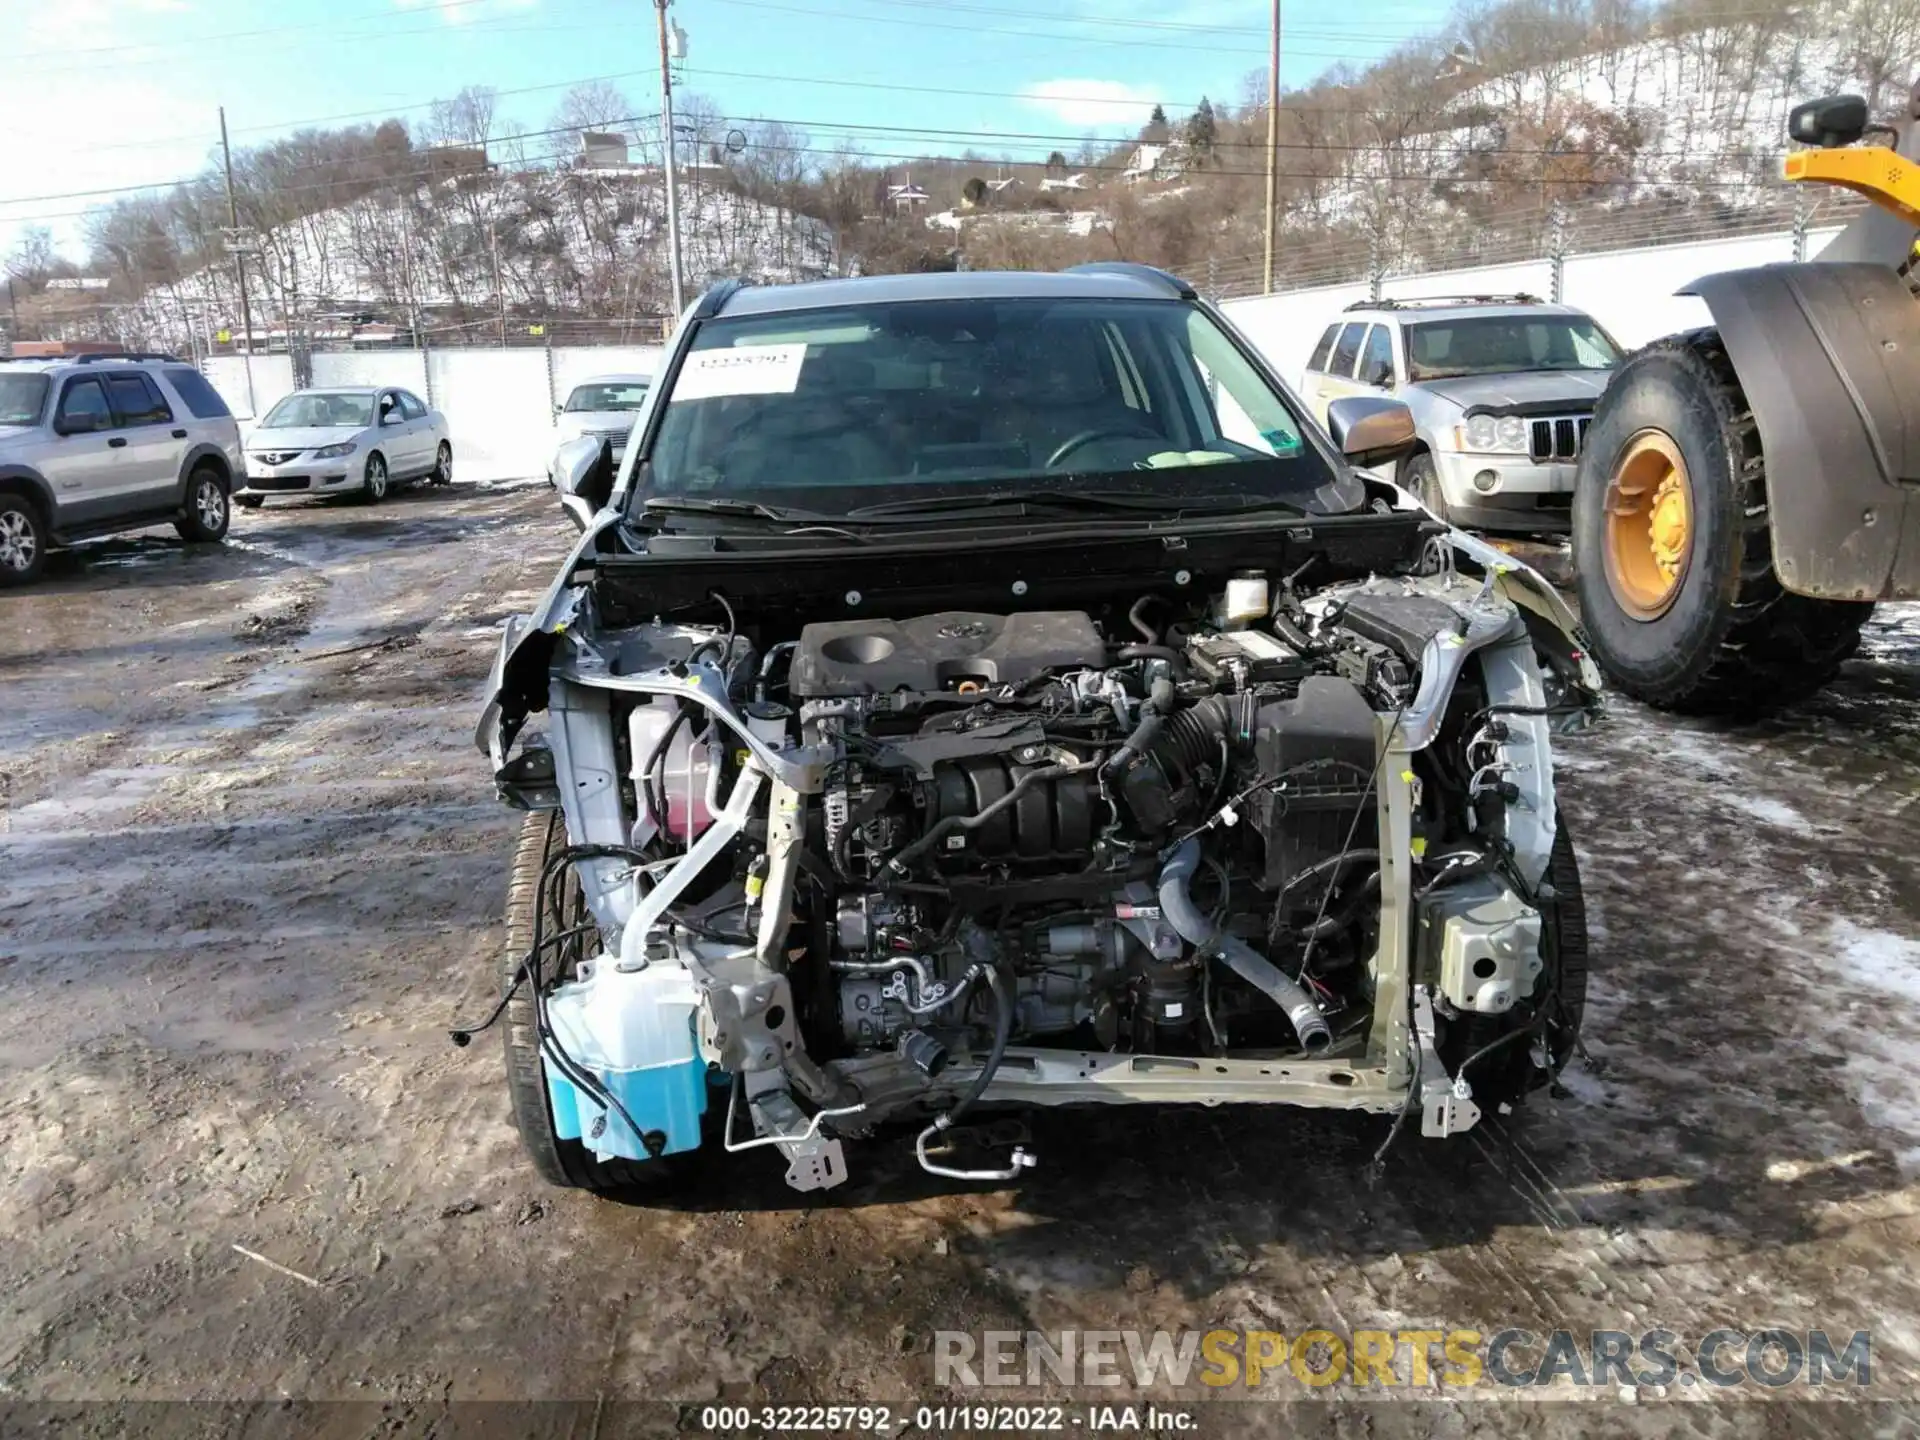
<point>104,94</point>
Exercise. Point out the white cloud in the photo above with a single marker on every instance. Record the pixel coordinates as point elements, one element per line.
<point>1092,103</point>
<point>463,12</point>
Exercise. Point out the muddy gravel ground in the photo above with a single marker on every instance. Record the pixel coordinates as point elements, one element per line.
<point>253,868</point>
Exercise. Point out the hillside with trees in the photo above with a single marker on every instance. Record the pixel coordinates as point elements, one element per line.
<point>1520,125</point>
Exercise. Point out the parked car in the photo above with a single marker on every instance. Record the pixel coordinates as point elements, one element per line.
<point>98,444</point>
<point>995,688</point>
<point>598,409</point>
<point>361,441</point>
<point>1501,388</point>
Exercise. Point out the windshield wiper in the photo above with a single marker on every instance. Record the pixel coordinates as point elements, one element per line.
<point>719,505</point>
<point>1121,500</point>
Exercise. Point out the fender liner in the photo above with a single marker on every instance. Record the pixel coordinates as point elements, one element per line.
<point>1829,357</point>
<point>36,485</point>
<point>200,452</point>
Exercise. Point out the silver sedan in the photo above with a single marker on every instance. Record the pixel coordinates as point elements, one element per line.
<point>346,442</point>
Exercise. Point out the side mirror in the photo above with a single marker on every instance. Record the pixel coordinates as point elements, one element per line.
<point>578,511</point>
<point>1371,431</point>
<point>1829,123</point>
<point>1380,376</point>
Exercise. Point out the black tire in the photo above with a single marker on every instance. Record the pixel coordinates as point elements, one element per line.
<point>23,539</point>
<point>559,1162</point>
<point>375,483</point>
<point>208,513</point>
<point>1730,639</point>
<point>443,465</point>
<point>248,502</point>
<point>1508,1072</point>
<point>1420,478</point>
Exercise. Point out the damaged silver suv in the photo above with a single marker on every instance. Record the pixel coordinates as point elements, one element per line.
<point>990,690</point>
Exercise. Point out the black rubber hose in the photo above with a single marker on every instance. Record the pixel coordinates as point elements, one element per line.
<point>1193,737</point>
<point>1155,652</point>
<point>1137,618</point>
<point>1002,1031</point>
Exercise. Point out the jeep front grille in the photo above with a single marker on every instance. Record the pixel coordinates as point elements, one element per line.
<point>1559,438</point>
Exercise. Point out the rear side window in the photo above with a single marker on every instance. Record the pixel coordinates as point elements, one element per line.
<point>197,395</point>
<point>1347,351</point>
<point>137,400</point>
<point>1324,348</point>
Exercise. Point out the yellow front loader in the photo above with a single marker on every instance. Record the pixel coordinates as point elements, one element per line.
<point>1747,492</point>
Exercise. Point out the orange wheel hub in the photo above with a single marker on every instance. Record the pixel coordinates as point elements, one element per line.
<point>1649,525</point>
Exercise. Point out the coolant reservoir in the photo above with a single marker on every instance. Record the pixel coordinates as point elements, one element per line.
<point>1245,600</point>
<point>688,774</point>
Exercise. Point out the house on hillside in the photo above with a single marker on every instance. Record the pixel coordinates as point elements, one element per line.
<point>1001,186</point>
<point>1155,162</point>
<point>1065,182</point>
<point>906,196</point>
<point>602,150</point>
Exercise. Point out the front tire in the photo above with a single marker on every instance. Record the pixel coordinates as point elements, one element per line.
<point>373,486</point>
<point>208,513</point>
<point>1672,548</point>
<point>1420,477</point>
<point>559,1162</point>
<point>23,540</point>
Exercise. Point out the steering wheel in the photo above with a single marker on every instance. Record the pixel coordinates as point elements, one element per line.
<point>1086,437</point>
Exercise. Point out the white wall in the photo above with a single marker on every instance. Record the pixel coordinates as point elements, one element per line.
<point>272,382</point>
<point>403,368</point>
<point>499,414</point>
<point>1284,328</point>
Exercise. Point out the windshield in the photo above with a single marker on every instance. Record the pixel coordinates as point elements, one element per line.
<point>611,395</point>
<point>835,410</point>
<point>21,397</point>
<point>321,408</point>
<point>1502,344</point>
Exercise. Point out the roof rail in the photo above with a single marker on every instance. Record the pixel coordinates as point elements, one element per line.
<point>1416,302</point>
<point>123,355</point>
<point>1150,273</point>
<point>715,300</point>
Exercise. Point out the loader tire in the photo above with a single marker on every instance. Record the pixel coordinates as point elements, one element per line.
<point>558,1161</point>
<point>1672,550</point>
<point>1508,1070</point>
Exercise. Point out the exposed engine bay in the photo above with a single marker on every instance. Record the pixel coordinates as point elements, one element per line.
<point>1253,844</point>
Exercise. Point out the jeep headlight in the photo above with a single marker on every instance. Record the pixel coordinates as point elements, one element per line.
<point>334,452</point>
<point>1493,434</point>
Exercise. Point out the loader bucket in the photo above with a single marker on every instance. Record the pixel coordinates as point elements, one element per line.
<point>1828,355</point>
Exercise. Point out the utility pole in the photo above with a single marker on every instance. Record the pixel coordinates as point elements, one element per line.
<point>239,259</point>
<point>666,146</point>
<point>1273,145</point>
<point>499,295</point>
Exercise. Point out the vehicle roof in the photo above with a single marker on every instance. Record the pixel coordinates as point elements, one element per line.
<point>343,390</point>
<point>41,364</point>
<point>625,378</point>
<point>1420,314</point>
<point>1117,283</point>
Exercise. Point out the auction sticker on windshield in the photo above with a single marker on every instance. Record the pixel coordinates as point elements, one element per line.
<point>750,370</point>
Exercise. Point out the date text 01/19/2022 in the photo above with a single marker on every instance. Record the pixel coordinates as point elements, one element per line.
<point>939,1419</point>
